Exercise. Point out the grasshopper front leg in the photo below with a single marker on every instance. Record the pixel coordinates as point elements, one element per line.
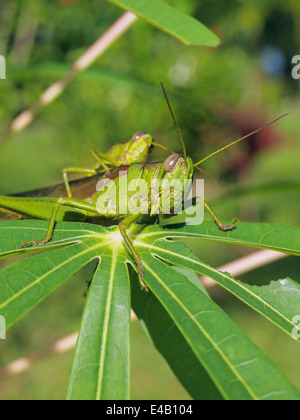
<point>85,171</point>
<point>101,157</point>
<point>123,226</point>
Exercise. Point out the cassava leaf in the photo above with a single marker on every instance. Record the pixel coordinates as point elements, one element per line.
<point>237,368</point>
<point>171,344</point>
<point>257,235</point>
<point>279,301</point>
<point>171,20</point>
<point>102,357</point>
<point>101,368</point>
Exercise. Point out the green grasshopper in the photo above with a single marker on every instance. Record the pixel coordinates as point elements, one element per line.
<point>40,204</point>
<point>83,198</point>
<point>135,150</point>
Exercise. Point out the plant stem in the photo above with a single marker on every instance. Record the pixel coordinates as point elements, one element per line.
<point>83,62</point>
<point>245,265</point>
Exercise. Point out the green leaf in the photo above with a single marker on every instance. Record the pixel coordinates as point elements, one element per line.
<point>188,317</point>
<point>14,233</point>
<point>171,20</point>
<point>102,359</point>
<point>171,344</point>
<point>257,235</point>
<point>26,283</point>
<point>279,301</point>
<point>239,369</point>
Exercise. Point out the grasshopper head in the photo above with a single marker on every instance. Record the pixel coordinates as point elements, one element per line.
<point>177,167</point>
<point>137,136</point>
<point>173,175</point>
<point>139,146</point>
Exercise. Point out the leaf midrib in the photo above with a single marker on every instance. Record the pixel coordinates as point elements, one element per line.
<point>106,324</point>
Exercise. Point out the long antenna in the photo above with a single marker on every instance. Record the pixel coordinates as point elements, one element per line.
<point>175,122</point>
<point>239,140</point>
<point>162,147</point>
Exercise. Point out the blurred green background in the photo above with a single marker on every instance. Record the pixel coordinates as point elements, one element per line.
<point>217,96</point>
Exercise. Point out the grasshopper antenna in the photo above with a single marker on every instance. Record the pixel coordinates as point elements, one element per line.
<point>241,139</point>
<point>162,147</point>
<point>180,137</point>
<point>175,122</point>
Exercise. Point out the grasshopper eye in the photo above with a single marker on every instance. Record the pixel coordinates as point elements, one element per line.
<point>138,135</point>
<point>171,162</point>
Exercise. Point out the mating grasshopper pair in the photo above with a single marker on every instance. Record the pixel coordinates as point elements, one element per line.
<point>129,158</point>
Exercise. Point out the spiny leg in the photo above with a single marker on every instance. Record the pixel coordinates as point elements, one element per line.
<point>78,205</point>
<point>75,170</point>
<point>218,222</point>
<point>123,226</point>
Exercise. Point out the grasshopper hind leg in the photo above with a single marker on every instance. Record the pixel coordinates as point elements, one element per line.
<point>68,202</point>
<point>86,207</point>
